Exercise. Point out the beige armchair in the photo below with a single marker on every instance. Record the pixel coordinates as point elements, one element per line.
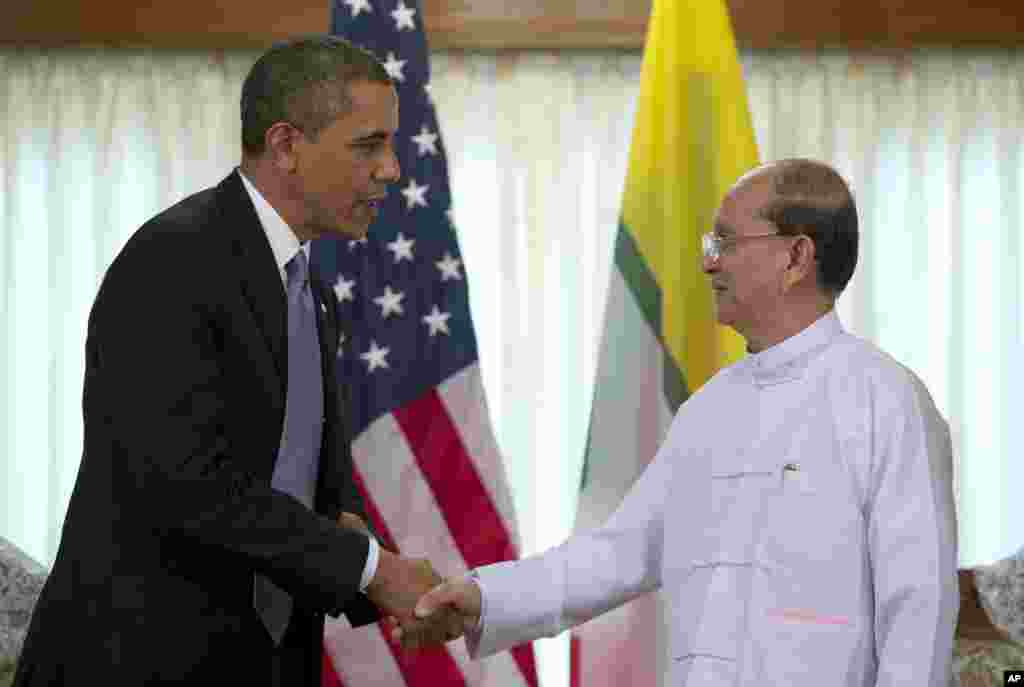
<point>990,628</point>
<point>21,580</point>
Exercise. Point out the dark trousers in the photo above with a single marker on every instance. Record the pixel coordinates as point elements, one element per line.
<point>297,662</point>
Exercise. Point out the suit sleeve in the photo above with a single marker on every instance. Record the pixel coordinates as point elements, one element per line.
<point>157,389</point>
<point>339,493</point>
<point>912,539</point>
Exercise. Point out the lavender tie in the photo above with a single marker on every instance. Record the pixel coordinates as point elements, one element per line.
<point>295,470</point>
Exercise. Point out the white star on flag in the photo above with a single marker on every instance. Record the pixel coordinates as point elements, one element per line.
<point>415,194</point>
<point>375,357</point>
<point>394,67</point>
<point>358,6</point>
<point>427,141</point>
<point>390,303</point>
<point>428,89</point>
<point>356,242</point>
<point>438,321</point>
<point>402,248</point>
<point>403,17</point>
<point>449,267</point>
<point>343,289</point>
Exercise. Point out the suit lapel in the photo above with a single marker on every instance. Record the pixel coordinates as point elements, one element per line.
<point>326,329</point>
<point>258,271</point>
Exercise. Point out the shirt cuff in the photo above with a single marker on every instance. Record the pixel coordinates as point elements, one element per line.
<point>372,557</point>
<point>475,633</point>
<point>478,628</point>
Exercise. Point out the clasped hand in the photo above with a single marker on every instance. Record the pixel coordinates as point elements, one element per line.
<point>423,608</point>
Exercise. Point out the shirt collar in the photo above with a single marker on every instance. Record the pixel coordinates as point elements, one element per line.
<point>283,241</point>
<point>788,359</point>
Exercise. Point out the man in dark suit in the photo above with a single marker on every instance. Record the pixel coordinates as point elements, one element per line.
<point>217,462</point>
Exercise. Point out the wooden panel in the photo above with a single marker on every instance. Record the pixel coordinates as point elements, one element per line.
<point>537,23</point>
<point>174,23</point>
<point>498,24</point>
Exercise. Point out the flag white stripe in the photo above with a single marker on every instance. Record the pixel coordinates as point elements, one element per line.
<point>463,395</point>
<point>361,655</point>
<point>630,415</point>
<point>407,505</point>
<point>629,420</point>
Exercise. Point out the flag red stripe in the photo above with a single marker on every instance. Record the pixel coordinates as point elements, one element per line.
<point>426,668</point>
<point>328,675</point>
<point>575,650</point>
<point>474,523</point>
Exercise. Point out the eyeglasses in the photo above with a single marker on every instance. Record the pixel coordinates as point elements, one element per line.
<point>714,245</point>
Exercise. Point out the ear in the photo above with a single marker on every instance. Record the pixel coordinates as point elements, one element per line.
<point>801,260</point>
<point>282,141</point>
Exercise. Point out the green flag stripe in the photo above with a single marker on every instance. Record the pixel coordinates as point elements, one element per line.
<point>644,287</point>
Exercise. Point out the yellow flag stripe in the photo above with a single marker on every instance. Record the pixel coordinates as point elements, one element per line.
<point>692,138</point>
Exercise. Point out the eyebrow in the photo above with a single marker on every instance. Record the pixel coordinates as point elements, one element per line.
<point>722,230</point>
<point>375,137</point>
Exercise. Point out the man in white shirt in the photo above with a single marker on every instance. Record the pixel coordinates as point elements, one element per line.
<point>799,516</point>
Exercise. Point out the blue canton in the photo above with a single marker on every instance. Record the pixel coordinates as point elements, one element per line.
<point>403,301</point>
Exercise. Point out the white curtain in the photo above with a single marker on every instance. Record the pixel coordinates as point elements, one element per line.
<point>94,142</point>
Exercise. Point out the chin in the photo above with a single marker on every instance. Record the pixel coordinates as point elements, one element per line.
<point>723,316</point>
<point>349,231</point>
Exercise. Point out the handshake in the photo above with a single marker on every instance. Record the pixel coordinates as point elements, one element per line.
<point>423,609</point>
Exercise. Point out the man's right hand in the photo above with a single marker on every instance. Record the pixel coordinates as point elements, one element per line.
<point>445,613</point>
<point>399,583</point>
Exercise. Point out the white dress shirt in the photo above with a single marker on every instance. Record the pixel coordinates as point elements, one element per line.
<point>285,245</point>
<point>799,519</point>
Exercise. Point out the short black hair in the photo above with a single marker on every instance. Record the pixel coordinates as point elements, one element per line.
<point>303,82</point>
<point>812,199</point>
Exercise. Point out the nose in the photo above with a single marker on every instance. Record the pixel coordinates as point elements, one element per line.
<point>389,170</point>
<point>708,264</point>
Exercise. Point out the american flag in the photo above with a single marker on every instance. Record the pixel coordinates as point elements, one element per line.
<point>425,458</point>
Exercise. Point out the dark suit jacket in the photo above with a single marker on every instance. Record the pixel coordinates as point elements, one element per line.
<point>172,511</point>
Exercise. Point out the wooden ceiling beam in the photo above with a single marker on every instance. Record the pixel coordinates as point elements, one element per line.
<point>517,24</point>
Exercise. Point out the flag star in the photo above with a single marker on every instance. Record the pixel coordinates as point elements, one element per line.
<point>394,67</point>
<point>438,321</point>
<point>415,194</point>
<point>375,357</point>
<point>428,88</point>
<point>449,267</point>
<point>402,248</point>
<point>358,6</point>
<point>403,17</point>
<point>356,242</point>
<point>426,141</point>
<point>390,302</point>
<point>343,289</point>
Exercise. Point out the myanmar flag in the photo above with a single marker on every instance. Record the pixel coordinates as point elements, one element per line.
<point>692,139</point>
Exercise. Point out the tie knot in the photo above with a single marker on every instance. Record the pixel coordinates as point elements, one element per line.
<point>297,268</point>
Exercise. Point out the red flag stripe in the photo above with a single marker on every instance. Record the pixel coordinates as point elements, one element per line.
<point>453,478</point>
<point>328,675</point>
<point>415,520</point>
<point>426,668</point>
<point>575,655</point>
<point>449,471</point>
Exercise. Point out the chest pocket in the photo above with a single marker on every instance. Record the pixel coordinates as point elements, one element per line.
<point>709,577</point>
